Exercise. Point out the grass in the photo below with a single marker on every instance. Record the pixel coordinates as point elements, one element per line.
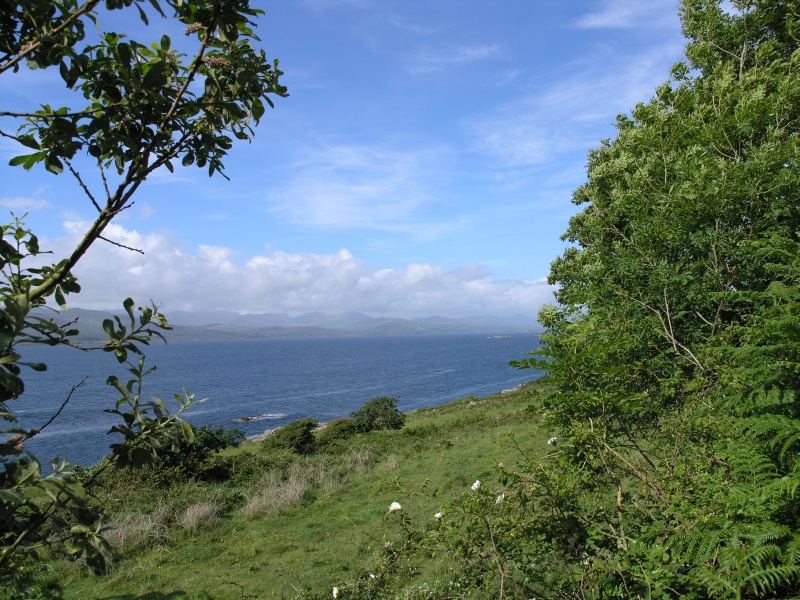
<point>297,527</point>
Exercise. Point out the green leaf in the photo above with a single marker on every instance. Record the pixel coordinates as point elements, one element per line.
<point>36,366</point>
<point>108,327</point>
<point>62,302</point>
<point>128,305</point>
<point>28,160</point>
<point>29,141</point>
<point>53,164</point>
<point>142,15</point>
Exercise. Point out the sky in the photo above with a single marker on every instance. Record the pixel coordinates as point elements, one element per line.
<point>423,163</point>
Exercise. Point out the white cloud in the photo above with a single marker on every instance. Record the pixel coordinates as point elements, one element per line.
<point>216,278</point>
<point>571,113</point>
<point>341,187</point>
<point>432,61</point>
<point>506,77</point>
<point>24,204</point>
<point>617,14</point>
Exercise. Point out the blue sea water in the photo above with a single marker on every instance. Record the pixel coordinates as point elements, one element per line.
<point>271,381</point>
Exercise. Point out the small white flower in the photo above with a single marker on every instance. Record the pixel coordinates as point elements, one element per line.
<point>476,486</point>
<point>395,506</point>
<point>372,575</point>
<point>500,498</point>
<point>500,465</point>
<point>335,592</point>
<point>438,515</point>
<point>552,441</point>
<point>387,545</point>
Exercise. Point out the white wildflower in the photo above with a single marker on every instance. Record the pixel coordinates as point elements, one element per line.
<point>552,441</point>
<point>372,575</point>
<point>500,465</point>
<point>500,498</point>
<point>476,486</point>
<point>438,515</point>
<point>335,592</point>
<point>395,506</point>
<point>387,545</point>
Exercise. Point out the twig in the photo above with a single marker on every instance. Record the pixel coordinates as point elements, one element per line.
<point>82,184</point>
<point>33,432</point>
<point>105,239</point>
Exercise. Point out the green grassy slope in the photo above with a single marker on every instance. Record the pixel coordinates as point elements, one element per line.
<point>298,527</point>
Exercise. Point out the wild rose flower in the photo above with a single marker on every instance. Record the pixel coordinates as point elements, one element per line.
<point>476,486</point>
<point>395,506</point>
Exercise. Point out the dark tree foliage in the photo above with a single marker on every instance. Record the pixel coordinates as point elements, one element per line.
<point>297,436</point>
<point>674,342</point>
<point>377,414</point>
<point>196,460</point>
<point>337,431</point>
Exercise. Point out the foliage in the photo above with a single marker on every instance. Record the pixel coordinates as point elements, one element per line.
<point>38,510</point>
<point>377,414</point>
<point>297,436</point>
<point>140,107</point>
<point>206,443</point>
<point>337,431</point>
<point>674,340</point>
<point>262,529</point>
<point>195,460</point>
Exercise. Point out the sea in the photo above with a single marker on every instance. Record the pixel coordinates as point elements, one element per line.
<point>256,385</point>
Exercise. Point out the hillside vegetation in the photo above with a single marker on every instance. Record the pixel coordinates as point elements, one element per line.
<point>270,523</point>
<point>661,457</point>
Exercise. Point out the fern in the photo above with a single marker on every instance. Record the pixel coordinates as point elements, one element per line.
<point>742,571</point>
<point>782,433</point>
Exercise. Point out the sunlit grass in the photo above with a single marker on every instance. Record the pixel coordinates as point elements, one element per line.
<point>319,521</point>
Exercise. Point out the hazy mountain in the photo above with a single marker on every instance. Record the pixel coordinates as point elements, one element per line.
<point>228,325</point>
<point>262,320</point>
<point>321,319</point>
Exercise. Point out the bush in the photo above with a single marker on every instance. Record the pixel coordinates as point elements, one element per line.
<point>297,436</point>
<point>379,413</point>
<point>337,431</point>
<point>196,461</point>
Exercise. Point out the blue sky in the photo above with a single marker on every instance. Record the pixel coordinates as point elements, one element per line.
<point>423,163</point>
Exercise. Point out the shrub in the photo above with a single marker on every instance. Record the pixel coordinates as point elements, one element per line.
<point>337,430</point>
<point>297,436</point>
<point>379,413</point>
<point>195,461</point>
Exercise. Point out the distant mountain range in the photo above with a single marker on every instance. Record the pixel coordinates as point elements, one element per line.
<point>220,325</point>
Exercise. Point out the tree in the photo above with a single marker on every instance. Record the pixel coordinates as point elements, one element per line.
<point>297,437</point>
<point>674,341</point>
<point>137,112</point>
<point>377,414</point>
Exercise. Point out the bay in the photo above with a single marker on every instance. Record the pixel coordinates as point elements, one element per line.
<point>269,382</point>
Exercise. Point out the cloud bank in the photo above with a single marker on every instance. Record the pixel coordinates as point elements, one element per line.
<point>216,278</point>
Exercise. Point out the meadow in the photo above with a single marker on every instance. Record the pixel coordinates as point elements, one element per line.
<point>282,525</point>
